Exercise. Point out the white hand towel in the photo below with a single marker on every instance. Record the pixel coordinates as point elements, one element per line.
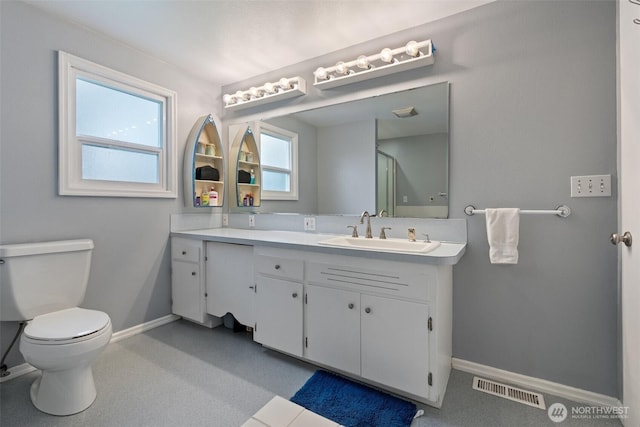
<point>503,234</point>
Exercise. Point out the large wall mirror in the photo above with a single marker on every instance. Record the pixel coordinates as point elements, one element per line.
<point>387,152</point>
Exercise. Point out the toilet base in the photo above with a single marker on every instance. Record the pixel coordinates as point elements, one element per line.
<point>64,392</point>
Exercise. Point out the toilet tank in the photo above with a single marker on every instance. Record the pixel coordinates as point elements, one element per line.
<point>39,278</point>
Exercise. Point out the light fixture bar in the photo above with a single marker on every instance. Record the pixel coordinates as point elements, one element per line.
<point>387,61</point>
<point>284,88</point>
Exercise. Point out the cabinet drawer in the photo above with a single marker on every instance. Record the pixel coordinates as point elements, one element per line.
<point>402,282</point>
<point>280,267</point>
<point>185,249</point>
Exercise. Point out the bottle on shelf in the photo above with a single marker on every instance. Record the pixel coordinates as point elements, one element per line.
<point>252,179</point>
<point>204,198</point>
<point>213,197</point>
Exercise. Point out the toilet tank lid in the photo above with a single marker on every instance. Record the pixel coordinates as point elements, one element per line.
<point>23,249</point>
<point>66,324</point>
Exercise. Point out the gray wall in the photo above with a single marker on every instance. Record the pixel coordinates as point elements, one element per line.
<point>130,275</point>
<point>421,168</point>
<point>532,102</point>
<point>346,181</point>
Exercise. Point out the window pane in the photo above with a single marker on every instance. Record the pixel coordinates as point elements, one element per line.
<point>275,151</point>
<point>112,164</point>
<point>110,113</point>
<point>275,181</point>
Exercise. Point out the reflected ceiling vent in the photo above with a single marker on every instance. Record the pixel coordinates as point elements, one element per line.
<point>403,113</point>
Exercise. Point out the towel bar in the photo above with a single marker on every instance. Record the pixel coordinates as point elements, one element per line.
<point>562,211</point>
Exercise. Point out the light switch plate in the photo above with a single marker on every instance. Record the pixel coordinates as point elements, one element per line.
<point>591,186</point>
<point>225,220</point>
<point>252,220</point>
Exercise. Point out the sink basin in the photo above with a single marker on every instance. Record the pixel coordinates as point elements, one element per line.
<point>384,245</point>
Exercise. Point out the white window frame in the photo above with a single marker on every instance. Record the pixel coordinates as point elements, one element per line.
<point>70,179</point>
<point>292,194</point>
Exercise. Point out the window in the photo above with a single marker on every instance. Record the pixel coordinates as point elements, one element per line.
<point>117,133</point>
<point>279,162</point>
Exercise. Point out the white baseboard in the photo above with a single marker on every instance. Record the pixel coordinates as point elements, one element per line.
<point>537,384</point>
<point>143,327</point>
<point>17,371</point>
<point>25,368</point>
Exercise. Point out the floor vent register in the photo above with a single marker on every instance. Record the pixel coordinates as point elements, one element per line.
<point>508,392</point>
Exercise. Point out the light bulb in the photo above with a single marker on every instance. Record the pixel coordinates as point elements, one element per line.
<point>412,48</point>
<point>284,83</point>
<point>240,96</point>
<point>255,93</point>
<point>227,99</point>
<point>386,55</point>
<point>268,87</point>
<point>362,62</point>
<point>321,73</point>
<point>342,68</point>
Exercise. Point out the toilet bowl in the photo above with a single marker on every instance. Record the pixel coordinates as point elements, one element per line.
<point>64,345</point>
<point>43,283</point>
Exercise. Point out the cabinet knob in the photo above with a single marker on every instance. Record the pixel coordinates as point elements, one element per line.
<point>184,252</point>
<point>294,295</point>
<point>367,310</point>
<point>193,273</point>
<point>351,306</point>
<point>277,267</point>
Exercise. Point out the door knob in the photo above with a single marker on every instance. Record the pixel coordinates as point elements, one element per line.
<point>625,238</point>
<point>367,310</point>
<point>351,305</point>
<point>294,295</point>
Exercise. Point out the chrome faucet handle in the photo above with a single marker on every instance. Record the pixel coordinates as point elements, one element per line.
<point>382,234</point>
<point>382,213</point>
<point>428,240</point>
<point>411,234</point>
<point>355,230</point>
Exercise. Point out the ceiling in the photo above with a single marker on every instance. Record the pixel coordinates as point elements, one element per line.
<point>226,41</point>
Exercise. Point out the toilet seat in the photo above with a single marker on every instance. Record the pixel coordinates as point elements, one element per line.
<point>66,326</point>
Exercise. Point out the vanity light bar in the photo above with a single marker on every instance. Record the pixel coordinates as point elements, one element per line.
<point>269,92</point>
<point>388,61</point>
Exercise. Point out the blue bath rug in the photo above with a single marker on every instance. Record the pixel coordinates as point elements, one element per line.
<point>352,404</point>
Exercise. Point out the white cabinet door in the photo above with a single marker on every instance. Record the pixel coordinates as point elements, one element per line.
<point>332,322</point>
<point>279,315</point>
<point>230,284</point>
<point>186,294</point>
<point>394,343</point>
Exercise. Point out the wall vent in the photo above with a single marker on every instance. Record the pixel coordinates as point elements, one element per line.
<point>508,392</point>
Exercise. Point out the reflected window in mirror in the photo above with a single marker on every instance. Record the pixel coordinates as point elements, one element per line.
<point>279,154</point>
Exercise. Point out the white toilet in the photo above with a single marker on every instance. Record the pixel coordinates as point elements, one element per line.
<point>44,283</point>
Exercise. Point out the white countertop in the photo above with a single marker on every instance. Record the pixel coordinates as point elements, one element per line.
<point>447,253</point>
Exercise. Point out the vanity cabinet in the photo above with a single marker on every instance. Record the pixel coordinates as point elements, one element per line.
<point>188,296</point>
<point>332,327</point>
<point>387,323</point>
<point>279,296</point>
<point>244,160</point>
<point>230,285</point>
<point>203,150</point>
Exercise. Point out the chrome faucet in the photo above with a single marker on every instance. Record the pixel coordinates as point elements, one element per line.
<point>368,235</point>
